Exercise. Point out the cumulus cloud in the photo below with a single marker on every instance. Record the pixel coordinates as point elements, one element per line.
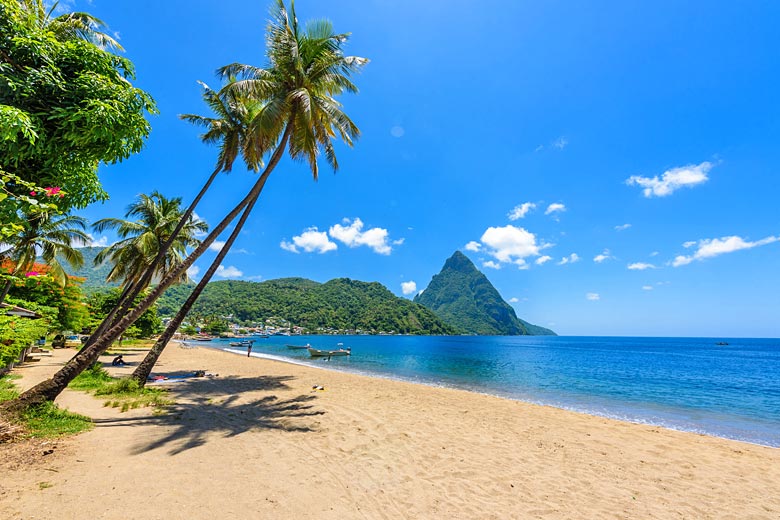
<point>672,180</point>
<point>409,287</point>
<point>352,234</point>
<point>217,245</point>
<point>555,207</point>
<point>640,266</point>
<point>513,300</point>
<point>399,242</point>
<point>193,271</point>
<point>622,227</point>
<point>228,272</point>
<point>543,260</point>
<point>572,258</point>
<point>592,296</point>
<point>311,240</point>
<point>711,247</point>
<point>509,243</point>
<point>521,210</point>
<point>473,246</point>
<point>606,255</point>
<point>491,264</point>
<point>689,244</point>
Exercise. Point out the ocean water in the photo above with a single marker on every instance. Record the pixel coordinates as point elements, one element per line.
<point>689,384</point>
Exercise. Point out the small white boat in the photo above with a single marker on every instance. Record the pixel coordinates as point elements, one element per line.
<point>313,352</point>
<point>298,347</point>
<point>245,343</point>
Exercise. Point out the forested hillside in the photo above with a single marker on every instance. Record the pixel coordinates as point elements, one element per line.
<point>338,304</point>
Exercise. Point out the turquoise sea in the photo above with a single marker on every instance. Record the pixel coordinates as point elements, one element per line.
<point>690,384</point>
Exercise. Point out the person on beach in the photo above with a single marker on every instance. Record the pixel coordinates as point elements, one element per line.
<point>248,349</point>
<point>118,361</point>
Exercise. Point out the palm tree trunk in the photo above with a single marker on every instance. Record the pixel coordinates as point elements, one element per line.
<point>6,289</point>
<point>49,389</point>
<point>142,371</point>
<point>129,294</point>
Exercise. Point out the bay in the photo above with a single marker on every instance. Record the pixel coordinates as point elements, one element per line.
<point>689,384</point>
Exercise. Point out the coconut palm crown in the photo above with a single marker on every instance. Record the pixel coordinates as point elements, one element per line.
<point>307,69</point>
<point>155,218</point>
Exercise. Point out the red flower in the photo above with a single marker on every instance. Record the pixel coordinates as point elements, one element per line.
<point>51,191</point>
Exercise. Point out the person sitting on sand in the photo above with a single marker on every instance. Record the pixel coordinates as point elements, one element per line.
<point>118,361</point>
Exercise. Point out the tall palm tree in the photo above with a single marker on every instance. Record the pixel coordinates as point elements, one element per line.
<point>155,219</point>
<point>70,26</point>
<point>296,108</point>
<point>294,103</point>
<point>51,237</point>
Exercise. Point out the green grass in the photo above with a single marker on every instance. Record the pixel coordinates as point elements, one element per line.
<point>125,394</point>
<point>46,420</point>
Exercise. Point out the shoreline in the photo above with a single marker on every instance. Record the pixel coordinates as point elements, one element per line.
<point>260,441</point>
<point>636,419</point>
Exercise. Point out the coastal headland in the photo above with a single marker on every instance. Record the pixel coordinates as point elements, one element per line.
<point>266,439</point>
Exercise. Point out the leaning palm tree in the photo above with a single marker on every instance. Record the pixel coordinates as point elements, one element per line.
<point>154,218</point>
<point>296,105</point>
<point>297,108</point>
<point>70,26</point>
<point>51,237</point>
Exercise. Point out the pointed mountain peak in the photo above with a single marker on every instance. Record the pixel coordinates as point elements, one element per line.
<point>459,262</point>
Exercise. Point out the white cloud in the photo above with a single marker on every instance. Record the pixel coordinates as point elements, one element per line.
<point>640,266</point>
<point>311,240</point>
<point>217,245</point>
<point>100,242</point>
<point>193,271</point>
<point>228,272</point>
<point>409,287</point>
<point>473,246</point>
<point>521,211</point>
<point>689,244</point>
<point>560,143</point>
<point>513,300</point>
<point>711,247</point>
<point>399,242</point>
<point>592,296</point>
<point>491,264</point>
<point>510,243</point>
<point>397,131</point>
<point>654,253</point>
<point>195,217</point>
<point>647,287</point>
<point>555,207</point>
<point>606,255</point>
<point>352,234</point>
<point>572,258</point>
<point>543,260</point>
<point>622,227</point>
<point>672,180</point>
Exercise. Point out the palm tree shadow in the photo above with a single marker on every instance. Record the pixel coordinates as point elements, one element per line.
<point>202,408</point>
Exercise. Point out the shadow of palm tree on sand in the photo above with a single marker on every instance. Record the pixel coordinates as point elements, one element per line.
<point>226,405</point>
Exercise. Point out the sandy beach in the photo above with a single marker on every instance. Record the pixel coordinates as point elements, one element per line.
<point>259,442</point>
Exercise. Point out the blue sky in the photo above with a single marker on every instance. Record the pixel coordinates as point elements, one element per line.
<point>610,166</point>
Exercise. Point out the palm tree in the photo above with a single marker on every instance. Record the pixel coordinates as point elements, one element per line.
<point>141,239</point>
<point>70,26</point>
<point>295,101</point>
<point>295,106</point>
<point>50,237</point>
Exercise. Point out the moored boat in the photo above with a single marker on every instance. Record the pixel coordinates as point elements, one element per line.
<point>313,352</point>
<point>298,347</point>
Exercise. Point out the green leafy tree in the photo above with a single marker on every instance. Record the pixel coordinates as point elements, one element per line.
<point>69,26</point>
<point>101,303</point>
<point>68,300</point>
<point>65,103</point>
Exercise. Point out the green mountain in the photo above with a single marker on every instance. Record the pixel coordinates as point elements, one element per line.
<point>463,297</point>
<point>340,304</point>
<point>94,277</point>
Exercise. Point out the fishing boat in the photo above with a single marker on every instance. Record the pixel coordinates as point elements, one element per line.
<point>244,343</point>
<point>298,347</point>
<point>313,352</point>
